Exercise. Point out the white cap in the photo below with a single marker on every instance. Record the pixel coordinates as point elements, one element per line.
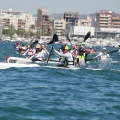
<point>104,48</point>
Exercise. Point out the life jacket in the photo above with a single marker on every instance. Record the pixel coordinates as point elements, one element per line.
<point>64,61</point>
<point>80,57</point>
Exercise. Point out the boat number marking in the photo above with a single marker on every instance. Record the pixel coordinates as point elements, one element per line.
<point>12,61</point>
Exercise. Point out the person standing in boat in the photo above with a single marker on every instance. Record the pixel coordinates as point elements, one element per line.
<point>102,55</point>
<point>30,51</point>
<point>66,57</point>
<point>40,53</point>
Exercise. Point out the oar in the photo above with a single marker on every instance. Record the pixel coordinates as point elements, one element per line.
<point>55,39</point>
<point>36,41</point>
<point>87,36</point>
<point>108,53</point>
<point>69,39</point>
<point>90,59</point>
<point>113,51</point>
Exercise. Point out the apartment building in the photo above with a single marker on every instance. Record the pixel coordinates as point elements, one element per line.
<point>16,19</point>
<point>115,22</point>
<point>107,19</point>
<point>107,24</point>
<point>85,21</point>
<point>59,27</point>
<point>43,22</point>
<point>104,19</point>
<point>71,19</point>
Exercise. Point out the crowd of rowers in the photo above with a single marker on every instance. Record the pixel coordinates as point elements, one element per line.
<point>67,57</point>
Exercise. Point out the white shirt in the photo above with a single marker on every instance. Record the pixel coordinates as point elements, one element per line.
<point>29,52</point>
<point>102,56</point>
<point>40,55</point>
<point>68,57</point>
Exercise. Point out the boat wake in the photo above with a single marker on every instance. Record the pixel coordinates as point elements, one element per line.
<point>16,65</point>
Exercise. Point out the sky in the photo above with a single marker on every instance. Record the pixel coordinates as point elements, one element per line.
<point>61,6</point>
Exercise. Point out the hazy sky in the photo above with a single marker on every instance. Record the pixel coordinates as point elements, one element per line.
<point>61,6</point>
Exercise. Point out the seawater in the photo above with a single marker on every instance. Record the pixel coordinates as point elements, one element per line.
<point>89,93</point>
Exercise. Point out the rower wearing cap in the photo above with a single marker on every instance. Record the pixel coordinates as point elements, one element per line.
<point>22,48</point>
<point>91,50</point>
<point>81,56</point>
<point>66,56</point>
<point>17,46</point>
<point>102,55</point>
<point>40,53</point>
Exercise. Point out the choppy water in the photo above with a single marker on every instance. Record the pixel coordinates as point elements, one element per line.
<point>90,93</point>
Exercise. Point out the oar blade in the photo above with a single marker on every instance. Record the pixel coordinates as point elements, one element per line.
<point>114,51</point>
<point>36,41</point>
<point>87,36</point>
<point>55,39</point>
<point>68,39</point>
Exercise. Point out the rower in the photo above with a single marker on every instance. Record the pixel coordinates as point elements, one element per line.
<point>102,55</point>
<point>40,53</point>
<point>22,48</point>
<point>30,51</point>
<point>74,53</point>
<point>66,57</point>
<point>81,57</point>
<point>91,50</point>
<point>17,46</point>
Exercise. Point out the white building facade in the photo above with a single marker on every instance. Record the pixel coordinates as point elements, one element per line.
<point>17,19</point>
<point>59,27</point>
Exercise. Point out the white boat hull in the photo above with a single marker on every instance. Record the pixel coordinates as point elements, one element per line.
<point>26,61</point>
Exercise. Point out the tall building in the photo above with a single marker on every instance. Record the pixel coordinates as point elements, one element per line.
<point>71,19</point>
<point>107,24</point>
<point>107,19</point>
<point>115,22</point>
<point>43,22</point>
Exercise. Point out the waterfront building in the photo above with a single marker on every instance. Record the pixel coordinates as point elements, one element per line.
<point>43,22</point>
<point>85,21</point>
<point>59,27</point>
<point>107,24</point>
<point>16,19</point>
<point>71,19</point>
<point>81,31</point>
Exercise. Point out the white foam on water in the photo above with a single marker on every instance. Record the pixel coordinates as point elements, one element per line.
<point>94,68</point>
<point>71,68</point>
<point>16,65</point>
